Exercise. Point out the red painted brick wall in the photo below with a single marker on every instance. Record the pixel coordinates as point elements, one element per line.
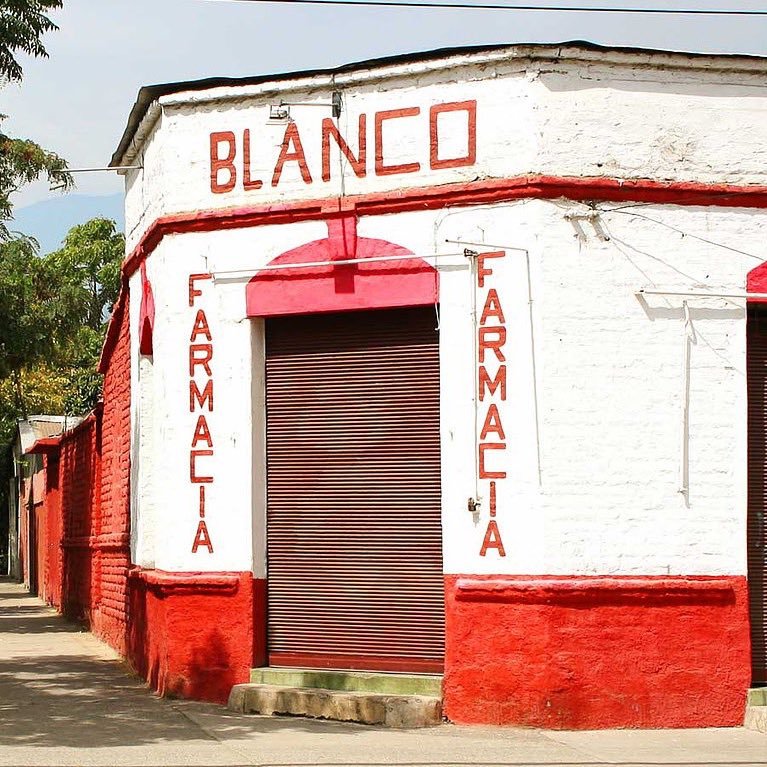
<point>78,482</point>
<point>113,524</point>
<point>53,563</point>
<point>589,652</point>
<point>191,634</point>
<point>83,532</point>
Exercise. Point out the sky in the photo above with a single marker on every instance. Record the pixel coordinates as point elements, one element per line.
<point>77,101</point>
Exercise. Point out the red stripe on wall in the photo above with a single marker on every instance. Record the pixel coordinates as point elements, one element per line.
<point>597,652</point>
<point>436,197</point>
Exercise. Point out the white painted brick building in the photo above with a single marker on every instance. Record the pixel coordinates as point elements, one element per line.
<point>582,221</point>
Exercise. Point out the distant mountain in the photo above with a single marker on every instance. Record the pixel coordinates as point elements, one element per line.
<point>50,220</point>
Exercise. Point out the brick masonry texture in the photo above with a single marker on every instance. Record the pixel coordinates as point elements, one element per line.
<point>84,520</point>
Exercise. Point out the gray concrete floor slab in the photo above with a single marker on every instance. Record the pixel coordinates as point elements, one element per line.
<point>66,699</point>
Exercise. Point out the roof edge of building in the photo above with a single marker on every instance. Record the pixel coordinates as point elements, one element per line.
<point>149,94</point>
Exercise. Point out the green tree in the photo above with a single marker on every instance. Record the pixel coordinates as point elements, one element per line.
<point>88,267</point>
<point>22,26</point>
<point>31,319</point>
<point>86,271</point>
<point>53,315</point>
<point>21,162</point>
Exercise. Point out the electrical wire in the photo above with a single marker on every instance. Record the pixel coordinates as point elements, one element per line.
<point>680,201</point>
<point>686,234</point>
<point>504,7</point>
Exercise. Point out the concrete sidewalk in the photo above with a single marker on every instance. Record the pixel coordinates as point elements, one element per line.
<point>65,699</point>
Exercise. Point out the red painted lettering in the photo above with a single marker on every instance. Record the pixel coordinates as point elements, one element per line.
<point>481,271</point>
<point>492,338</point>
<point>218,164</point>
<point>493,499</point>
<point>492,540</point>
<point>200,327</point>
<point>200,355</point>
<point>359,163</point>
<point>492,424</point>
<point>199,398</point>
<point>202,538</point>
<point>381,168</point>
<point>470,107</point>
<point>492,308</point>
<point>194,478</point>
<point>492,384</point>
<point>293,137</point>
<point>248,183</point>
<point>193,292</point>
<point>202,433</point>
<point>486,473</point>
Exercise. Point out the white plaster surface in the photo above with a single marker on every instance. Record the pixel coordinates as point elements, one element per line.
<point>625,116</point>
<point>605,496</point>
<point>610,383</point>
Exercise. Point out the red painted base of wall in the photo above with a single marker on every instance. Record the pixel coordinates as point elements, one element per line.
<point>191,634</point>
<point>597,652</point>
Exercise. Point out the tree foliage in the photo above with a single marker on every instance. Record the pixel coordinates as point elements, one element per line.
<point>87,268</point>
<point>21,162</point>
<point>32,320</point>
<point>53,315</point>
<point>88,265</point>
<point>22,25</point>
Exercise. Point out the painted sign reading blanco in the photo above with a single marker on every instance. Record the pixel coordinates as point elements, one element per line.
<point>233,155</point>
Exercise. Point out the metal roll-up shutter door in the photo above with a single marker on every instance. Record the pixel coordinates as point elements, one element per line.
<point>757,488</point>
<point>354,544</point>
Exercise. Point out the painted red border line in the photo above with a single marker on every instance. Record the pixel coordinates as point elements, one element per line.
<point>167,582</point>
<point>431,198</point>
<point>664,589</point>
<point>435,197</point>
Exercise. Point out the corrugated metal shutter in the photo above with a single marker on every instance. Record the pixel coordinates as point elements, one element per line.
<point>757,487</point>
<point>354,541</point>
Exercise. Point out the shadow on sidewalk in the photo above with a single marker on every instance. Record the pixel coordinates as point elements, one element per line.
<point>56,692</point>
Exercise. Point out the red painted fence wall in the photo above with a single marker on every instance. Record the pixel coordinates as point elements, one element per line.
<point>112,543</point>
<point>83,519</point>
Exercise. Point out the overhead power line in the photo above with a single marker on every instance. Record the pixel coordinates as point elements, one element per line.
<point>506,7</point>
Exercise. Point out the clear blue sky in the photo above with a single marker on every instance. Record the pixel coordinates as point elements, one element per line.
<point>77,101</point>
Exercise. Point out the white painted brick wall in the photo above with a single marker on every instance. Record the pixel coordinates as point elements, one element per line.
<point>610,382</point>
<point>620,116</point>
<point>610,377</point>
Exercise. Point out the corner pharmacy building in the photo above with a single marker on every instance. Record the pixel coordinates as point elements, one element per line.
<point>451,363</point>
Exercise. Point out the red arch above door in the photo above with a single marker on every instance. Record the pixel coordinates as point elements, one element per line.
<point>409,281</point>
<point>756,282</point>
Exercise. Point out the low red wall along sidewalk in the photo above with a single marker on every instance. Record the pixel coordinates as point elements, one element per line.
<point>591,652</point>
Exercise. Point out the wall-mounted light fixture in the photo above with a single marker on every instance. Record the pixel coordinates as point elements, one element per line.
<point>281,112</point>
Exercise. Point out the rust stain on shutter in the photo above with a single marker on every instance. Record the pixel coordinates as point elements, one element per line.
<point>354,542</point>
<point>757,488</point>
